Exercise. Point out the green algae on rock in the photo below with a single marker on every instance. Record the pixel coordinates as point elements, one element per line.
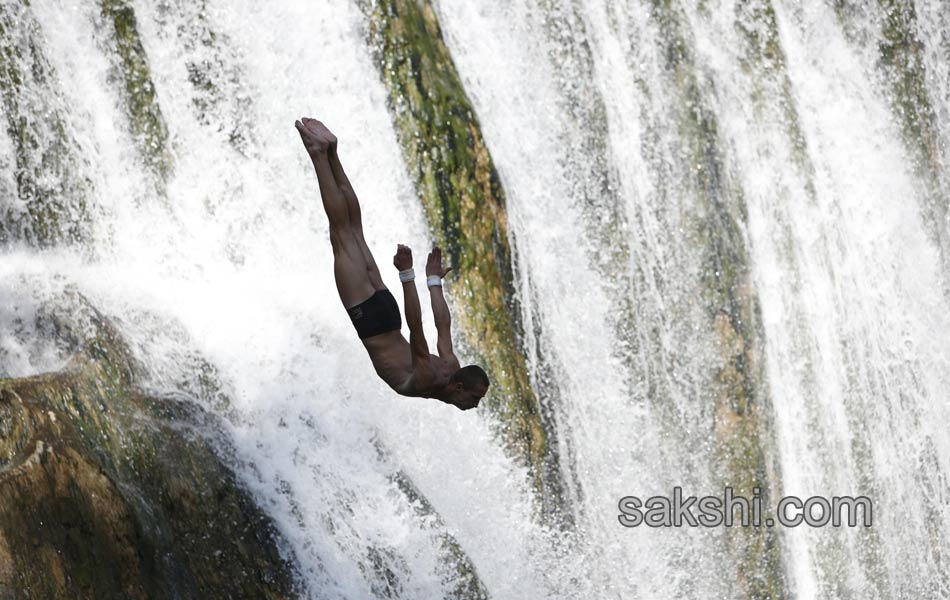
<point>138,91</point>
<point>464,204</point>
<point>108,492</point>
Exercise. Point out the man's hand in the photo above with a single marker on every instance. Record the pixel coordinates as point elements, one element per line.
<point>403,258</point>
<point>315,136</point>
<point>434,264</point>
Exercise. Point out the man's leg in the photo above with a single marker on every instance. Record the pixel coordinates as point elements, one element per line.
<point>355,216</point>
<point>349,264</point>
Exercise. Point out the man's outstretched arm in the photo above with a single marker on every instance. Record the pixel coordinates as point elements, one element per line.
<point>417,340</point>
<point>440,310</point>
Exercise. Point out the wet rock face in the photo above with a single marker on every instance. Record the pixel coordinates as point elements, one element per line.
<point>741,428</point>
<point>132,72</point>
<point>44,196</point>
<point>106,492</point>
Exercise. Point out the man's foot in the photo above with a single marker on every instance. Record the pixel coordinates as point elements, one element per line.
<point>316,137</point>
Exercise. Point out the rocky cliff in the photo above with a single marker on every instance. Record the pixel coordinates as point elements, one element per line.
<point>108,492</point>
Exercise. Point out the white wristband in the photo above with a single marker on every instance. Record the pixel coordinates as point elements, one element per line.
<point>433,280</point>
<point>407,275</point>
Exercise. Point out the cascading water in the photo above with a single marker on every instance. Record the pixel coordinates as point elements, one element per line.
<point>728,223</point>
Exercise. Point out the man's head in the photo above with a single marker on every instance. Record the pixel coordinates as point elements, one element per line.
<point>467,386</point>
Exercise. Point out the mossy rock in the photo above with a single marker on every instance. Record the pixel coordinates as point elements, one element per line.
<point>457,571</point>
<point>106,492</point>
<point>590,170</point>
<point>901,57</point>
<point>48,204</point>
<point>903,81</point>
<point>464,204</point>
<point>138,91</point>
<point>220,97</point>
<point>763,58</point>
<point>900,62</point>
<point>742,415</point>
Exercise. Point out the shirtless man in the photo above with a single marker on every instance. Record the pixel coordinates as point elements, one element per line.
<point>407,367</point>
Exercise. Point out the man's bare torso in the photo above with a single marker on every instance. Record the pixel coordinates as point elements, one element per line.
<point>392,360</point>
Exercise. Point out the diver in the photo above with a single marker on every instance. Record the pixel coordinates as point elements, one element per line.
<point>407,367</point>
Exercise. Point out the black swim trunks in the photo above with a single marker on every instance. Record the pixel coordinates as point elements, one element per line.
<point>375,315</point>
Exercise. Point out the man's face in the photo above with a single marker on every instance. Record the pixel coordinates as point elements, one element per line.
<point>466,399</point>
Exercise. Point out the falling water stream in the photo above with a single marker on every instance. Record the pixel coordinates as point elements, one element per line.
<point>200,231</point>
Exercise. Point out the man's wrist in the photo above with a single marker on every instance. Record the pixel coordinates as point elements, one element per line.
<point>433,281</point>
<point>407,275</point>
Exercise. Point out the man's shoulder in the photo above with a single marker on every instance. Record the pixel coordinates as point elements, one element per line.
<point>451,363</point>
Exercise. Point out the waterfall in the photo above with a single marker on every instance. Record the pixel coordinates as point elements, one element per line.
<point>729,257</point>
